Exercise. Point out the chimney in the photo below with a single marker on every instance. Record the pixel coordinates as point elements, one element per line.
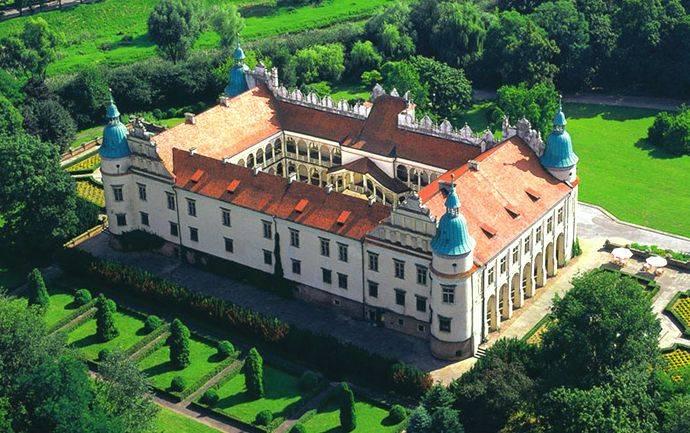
<point>192,151</point>
<point>190,118</point>
<point>292,177</point>
<point>473,164</point>
<point>329,188</point>
<point>256,170</point>
<point>226,160</point>
<point>223,100</point>
<point>372,200</point>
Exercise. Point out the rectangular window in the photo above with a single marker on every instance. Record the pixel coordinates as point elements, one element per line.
<point>121,219</point>
<point>421,274</point>
<point>144,218</point>
<point>191,207</point>
<point>527,244</point>
<point>549,225</point>
<point>294,238</point>
<point>171,200</point>
<point>174,231</point>
<point>539,234</point>
<point>268,257</point>
<point>516,254</point>
<point>268,229</point>
<point>373,261</point>
<point>225,217</point>
<point>325,247</point>
<point>342,281</point>
<point>399,269</point>
<point>448,294</point>
<point>504,265</point>
<point>492,276</point>
<point>373,289</point>
<point>342,252</point>
<point>194,234</point>
<point>296,267</point>
<point>560,215</point>
<point>326,275</point>
<point>400,297</point>
<point>421,304</point>
<point>229,245</point>
<point>444,324</point>
<point>142,191</point>
<point>118,194</point>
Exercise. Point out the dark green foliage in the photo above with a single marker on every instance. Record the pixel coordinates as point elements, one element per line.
<point>299,428</point>
<point>309,381</point>
<point>671,131</point>
<point>397,414</point>
<point>152,323</point>
<point>420,421</point>
<point>254,374</point>
<point>86,96</point>
<point>320,63</point>
<point>140,240</point>
<point>363,57</point>
<point>82,297</point>
<point>228,23</point>
<point>105,323</point>
<point>225,349</point>
<point>676,415</point>
<point>179,345</point>
<point>210,397</point>
<point>103,354</point>
<point>457,36</point>
<point>409,380</point>
<point>37,197</point>
<point>437,396</point>
<point>446,420</point>
<point>11,119</point>
<point>38,293</point>
<point>524,6</point>
<point>174,25</point>
<point>51,122</point>
<point>449,90</point>
<point>405,78</point>
<point>348,417</point>
<point>577,250</point>
<point>30,52</point>
<point>178,384</point>
<point>391,31</point>
<point>264,417</point>
<point>537,103</point>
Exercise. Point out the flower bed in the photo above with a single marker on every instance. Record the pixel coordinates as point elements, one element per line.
<point>90,191</point>
<point>85,165</point>
<point>85,339</point>
<point>534,335</point>
<point>676,255</point>
<point>679,309</point>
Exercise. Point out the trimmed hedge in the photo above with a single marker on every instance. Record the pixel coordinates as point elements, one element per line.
<point>329,355</point>
<point>670,310</point>
<point>76,313</point>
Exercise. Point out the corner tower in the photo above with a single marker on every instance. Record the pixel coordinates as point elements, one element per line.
<point>558,157</point>
<point>237,79</point>
<point>451,288</point>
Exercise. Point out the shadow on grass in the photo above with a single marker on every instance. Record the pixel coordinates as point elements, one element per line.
<point>142,331</point>
<point>163,368</point>
<point>656,152</point>
<point>87,341</point>
<point>233,400</point>
<point>72,305</point>
<point>607,112</point>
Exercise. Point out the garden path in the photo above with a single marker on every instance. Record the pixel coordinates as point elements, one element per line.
<point>313,403</point>
<point>212,381</point>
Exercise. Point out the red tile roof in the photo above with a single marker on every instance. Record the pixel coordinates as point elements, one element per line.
<point>506,172</point>
<point>317,123</point>
<point>367,166</point>
<point>274,195</point>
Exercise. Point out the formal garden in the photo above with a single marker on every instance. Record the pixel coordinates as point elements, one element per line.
<point>679,309</point>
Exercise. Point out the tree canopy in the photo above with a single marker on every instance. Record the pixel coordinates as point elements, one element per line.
<point>174,25</point>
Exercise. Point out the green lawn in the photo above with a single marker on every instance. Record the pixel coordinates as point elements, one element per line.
<point>161,372</point>
<point>370,419</point>
<point>281,392</point>
<point>172,422</point>
<point>61,305</point>
<point>350,91</point>
<point>85,340</point>
<point>94,32</point>
<point>86,135</point>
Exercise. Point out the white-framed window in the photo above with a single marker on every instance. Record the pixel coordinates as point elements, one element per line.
<point>225,217</point>
<point>399,267</point>
<point>294,238</point>
<point>342,252</point>
<point>142,191</point>
<point>492,275</point>
<point>268,229</point>
<point>170,199</point>
<point>194,234</point>
<point>373,261</point>
<point>422,272</point>
<point>325,245</point>
<point>400,297</point>
<point>504,265</point>
<point>539,234</point>
<point>326,275</point>
<point>117,193</point>
<point>528,242</point>
<point>448,293</point>
<point>191,207</point>
<point>420,303</point>
<point>549,225</point>
<point>373,288</point>
<point>560,215</point>
<point>342,281</point>
<point>516,254</point>
<point>444,324</point>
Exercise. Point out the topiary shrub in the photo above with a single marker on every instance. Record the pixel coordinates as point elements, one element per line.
<point>38,294</point>
<point>254,374</point>
<point>577,250</point>
<point>103,354</point>
<point>308,381</point>
<point>82,297</point>
<point>298,428</point>
<point>397,414</point>
<point>348,417</point>
<point>178,384</point>
<point>179,345</point>
<point>152,323</point>
<point>225,349</point>
<point>264,417</point>
<point>210,397</point>
<point>105,324</point>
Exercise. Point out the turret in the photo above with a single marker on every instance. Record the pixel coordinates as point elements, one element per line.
<point>558,157</point>
<point>237,78</point>
<point>451,289</point>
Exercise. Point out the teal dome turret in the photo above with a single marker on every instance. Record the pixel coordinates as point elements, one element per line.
<point>452,236</point>
<point>115,143</point>
<point>237,79</point>
<point>558,153</point>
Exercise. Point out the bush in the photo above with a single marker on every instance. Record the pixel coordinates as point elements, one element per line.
<point>409,380</point>
<point>105,324</point>
<point>254,374</point>
<point>178,384</point>
<point>309,381</point>
<point>152,323</point>
<point>538,104</point>
<point>577,250</point>
<point>38,294</point>
<point>264,417</point>
<point>298,428</point>
<point>82,297</point>
<point>210,397</point>
<point>103,354</point>
<point>179,345</point>
<point>225,349</point>
<point>348,417</point>
<point>397,414</point>
<point>671,131</point>
<point>140,240</point>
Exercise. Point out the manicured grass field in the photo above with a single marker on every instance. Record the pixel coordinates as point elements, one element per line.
<point>281,391</point>
<point>345,91</point>
<point>86,135</point>
<point>161,372</point>
<point>171,422</point>
<point>85,340</point>
<point>94,33</point>
<point>61,305</point>
<point>370,418</point>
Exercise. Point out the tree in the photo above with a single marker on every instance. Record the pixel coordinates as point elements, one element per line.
<point>10,118</point>
<point>404,77</point>
<point>38,294</point>
<point>420,421</point>
<point>390,30</point>
<point>348,417</point>
<point>395,44</point>
<point>363,57</point>
<point>437,397</point>
<point>179,345</point>
<point>51,122</point>
<point>676,415</point>
<point>33,50</point>
<point>458,35</point>
<point>671,131</point>
<point>517,50</point>
<point>522,6</point>
<point>449,90</point>
<point>105,323</point>
<point>446,420</point>
<point>538,104</point>
<point>228,23</point>
<point>254,374</point>
<point>320,63</point>
<point>37,197</point>
<point>174,26</point>
<point>602,324</point>
<point>86,96</point>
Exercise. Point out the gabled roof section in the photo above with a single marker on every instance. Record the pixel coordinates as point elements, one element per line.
<point>506,172</point>
<point>367,166</point>
<point>275,196</point>
<point>317,123</point>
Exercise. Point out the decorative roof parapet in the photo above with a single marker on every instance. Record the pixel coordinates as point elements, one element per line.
<point>445,129</point>
<point>523,129</point>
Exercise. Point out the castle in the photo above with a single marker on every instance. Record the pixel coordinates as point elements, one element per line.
<point>432,231</point>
